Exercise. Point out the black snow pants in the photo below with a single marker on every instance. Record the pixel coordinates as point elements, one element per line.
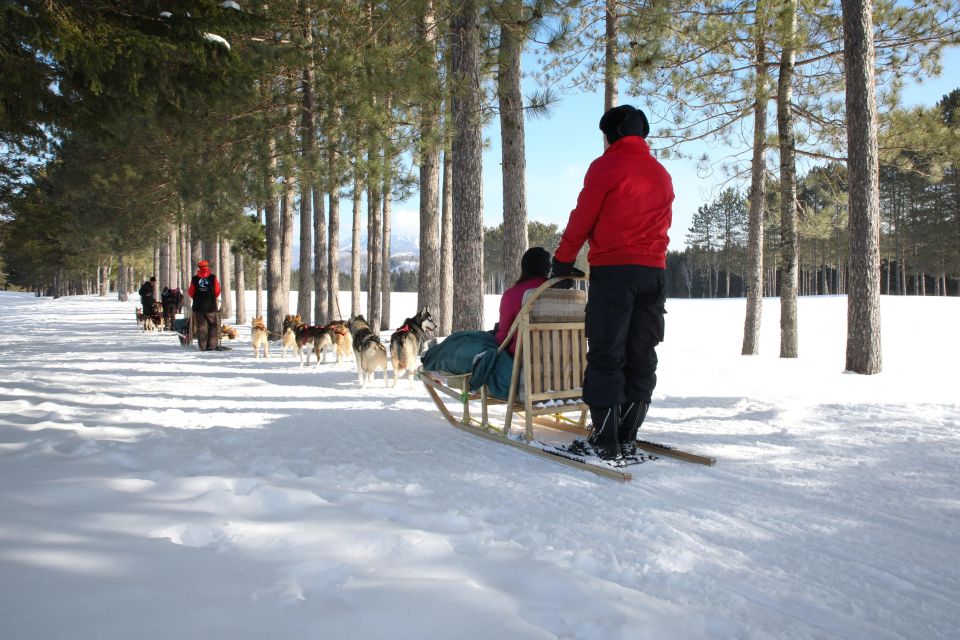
<point>207,328</point>
<point>624,323</point>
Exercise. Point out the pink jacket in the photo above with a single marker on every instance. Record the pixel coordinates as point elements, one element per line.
<point>510,305</point>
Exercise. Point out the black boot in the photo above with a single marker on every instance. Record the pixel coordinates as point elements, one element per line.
<point>604,437</point>
<point>632,415</point>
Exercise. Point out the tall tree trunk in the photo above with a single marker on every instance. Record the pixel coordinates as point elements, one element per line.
<point>320,259</point>
<point>467,168</point>
<point>103,277</point>
<point>163,273</point>
<point>512,139</point>
<point>430,281</point>
<point>305,275</point>
<point>308,261</point>
<point>173,265</point>
<point>387,224</point>
<point>355,248</point>
<point>241,289</point>
<point>156,267</point>
<point>446,248</point>
<point>333,252</point>
<point>211,250</point>
<point>610,68</point>
<point>863,302</point>
<point>121,279</point>
<point>186,261</point>
<point>788,185</point>
<point>258,313</point>
<point>276,302</point>
<point>226,266</point>
<point>288,215</point>
<point>333,256</point>
<point>374,242</point>
<point>196,248</point>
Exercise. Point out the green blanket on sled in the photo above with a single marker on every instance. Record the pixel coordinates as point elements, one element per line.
<point>473,352</point>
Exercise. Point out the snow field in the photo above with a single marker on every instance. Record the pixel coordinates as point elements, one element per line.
<point>154,492</point>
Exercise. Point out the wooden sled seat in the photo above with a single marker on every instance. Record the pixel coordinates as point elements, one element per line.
<point>548,366</point>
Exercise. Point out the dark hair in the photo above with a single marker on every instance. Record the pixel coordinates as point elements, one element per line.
<point>535,263</point>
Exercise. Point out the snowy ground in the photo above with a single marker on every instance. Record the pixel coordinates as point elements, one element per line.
<point>151,492</point>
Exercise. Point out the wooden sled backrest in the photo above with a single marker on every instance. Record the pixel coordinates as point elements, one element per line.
<point>552,344</point>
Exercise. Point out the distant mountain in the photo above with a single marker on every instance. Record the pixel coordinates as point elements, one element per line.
<point>405,252</point>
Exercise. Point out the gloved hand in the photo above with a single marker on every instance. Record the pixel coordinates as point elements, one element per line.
<point>560,269</point>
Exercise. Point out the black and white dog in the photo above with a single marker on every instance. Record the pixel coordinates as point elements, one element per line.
<point>407,342</point>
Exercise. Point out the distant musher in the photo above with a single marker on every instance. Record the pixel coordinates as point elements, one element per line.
<point>172,302</point>
<point>204,290</point>
<point>148,295</point>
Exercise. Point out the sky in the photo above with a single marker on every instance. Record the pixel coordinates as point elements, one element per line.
<point>559,148</point>
<point>154,492</point>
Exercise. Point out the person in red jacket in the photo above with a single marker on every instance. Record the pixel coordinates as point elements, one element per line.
<point>534,269</point>
<point>204,290</point>
<point>625,211</point>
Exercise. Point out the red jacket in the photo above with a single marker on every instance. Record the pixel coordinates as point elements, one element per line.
<point>510,304</point>
<point>203,273</point>
<point>624,209</point>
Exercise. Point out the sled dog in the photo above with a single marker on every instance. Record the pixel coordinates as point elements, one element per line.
<point>318,338</point>
<point>406,344</point>
<point>368,353</point>
<point>153,319</point>
<point>289,339</point>
<point>259,337</point>
<point>228,332</point>
<point>342,340</point>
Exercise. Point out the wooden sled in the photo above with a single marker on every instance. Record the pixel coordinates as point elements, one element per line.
<point>549,361</point>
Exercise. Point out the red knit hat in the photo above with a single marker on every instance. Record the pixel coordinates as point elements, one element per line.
<point>203,263</point>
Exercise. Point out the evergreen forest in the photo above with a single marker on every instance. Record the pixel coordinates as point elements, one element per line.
<point>138,137</point>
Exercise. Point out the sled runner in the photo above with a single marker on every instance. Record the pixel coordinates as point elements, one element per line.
<point>545,386</point>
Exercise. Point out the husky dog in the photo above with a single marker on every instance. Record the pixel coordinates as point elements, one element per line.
<point>259,337</point>
<point>318,337</point>
<point>153,319</point>
<point>370,355</point>
<point>406,344</point>
<point>289,339</point>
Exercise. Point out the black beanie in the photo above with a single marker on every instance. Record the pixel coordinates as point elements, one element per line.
<point>535,262</point>
<point>622,121</point>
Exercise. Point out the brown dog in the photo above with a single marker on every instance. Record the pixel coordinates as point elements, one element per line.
<point>289,339</point>
<point>342,340</point>
<point>319,338</point>
<point>259,337</point>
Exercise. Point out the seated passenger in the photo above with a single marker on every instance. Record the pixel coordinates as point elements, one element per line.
<point>534,269</point>
<point>475,352</point>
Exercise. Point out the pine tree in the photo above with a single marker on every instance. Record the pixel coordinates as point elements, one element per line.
<point>863,307</point>
<point>467,167</point>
